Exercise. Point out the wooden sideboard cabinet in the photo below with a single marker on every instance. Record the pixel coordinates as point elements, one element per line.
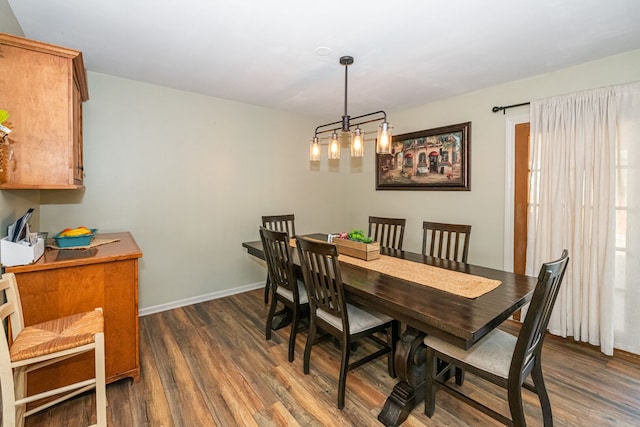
<point>65,282</point>
<point>42,86</point>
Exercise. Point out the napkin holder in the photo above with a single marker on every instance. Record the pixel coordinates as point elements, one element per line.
<point>20,253</point>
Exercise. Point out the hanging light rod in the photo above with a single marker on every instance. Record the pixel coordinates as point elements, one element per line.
<point>383,145</point>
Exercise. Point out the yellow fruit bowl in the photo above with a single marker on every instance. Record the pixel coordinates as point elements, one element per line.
<point>71,241</point>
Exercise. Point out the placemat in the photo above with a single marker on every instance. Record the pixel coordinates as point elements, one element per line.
<point>454,282</point>
<point>95,242</point>
<point>462,284</point>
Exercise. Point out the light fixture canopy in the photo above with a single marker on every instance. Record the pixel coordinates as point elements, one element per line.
<point>357,137</point>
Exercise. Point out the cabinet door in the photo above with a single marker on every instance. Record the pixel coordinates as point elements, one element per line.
<point>42,88</point>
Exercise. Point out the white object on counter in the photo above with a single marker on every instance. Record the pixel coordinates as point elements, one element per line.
<point>20,253</point>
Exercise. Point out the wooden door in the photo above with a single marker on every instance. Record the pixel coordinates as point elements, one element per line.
<point>521,197</point>
<point>520,200</point>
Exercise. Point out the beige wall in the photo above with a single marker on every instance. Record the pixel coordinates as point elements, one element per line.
<point>8,22</point>
<point>191,175</point>
<point>483,206</point>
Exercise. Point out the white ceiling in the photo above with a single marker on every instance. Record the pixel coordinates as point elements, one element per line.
<point>407,52</point>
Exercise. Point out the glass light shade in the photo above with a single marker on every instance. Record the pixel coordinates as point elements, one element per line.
<point>357,142</point>
<point>314,153</point>
<point>334,146</point>
<point>383,144</point>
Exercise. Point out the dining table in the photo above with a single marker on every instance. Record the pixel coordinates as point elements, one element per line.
<point>402,292</point>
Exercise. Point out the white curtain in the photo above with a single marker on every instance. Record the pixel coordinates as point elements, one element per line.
<point>583,179</point>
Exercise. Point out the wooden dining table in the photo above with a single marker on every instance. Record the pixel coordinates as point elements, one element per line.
<point>426,310</point>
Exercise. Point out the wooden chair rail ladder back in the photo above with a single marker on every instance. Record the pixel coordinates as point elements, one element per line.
<point>284,223</point>
<point>331,313</point>
<point>43,344</point>
<point>501,358</point>
<point>285,288</point>
<point>389,232</point>
<point>447,241</point>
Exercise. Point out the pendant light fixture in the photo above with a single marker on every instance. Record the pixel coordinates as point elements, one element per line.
<point>357,136</point>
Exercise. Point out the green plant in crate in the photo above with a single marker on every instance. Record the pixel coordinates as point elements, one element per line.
<point>359,235</point>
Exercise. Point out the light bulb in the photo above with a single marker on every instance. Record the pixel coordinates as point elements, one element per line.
<point>334,147</point>
<point>357,143</point>
<point>314,154</point>
<point>383,145</point>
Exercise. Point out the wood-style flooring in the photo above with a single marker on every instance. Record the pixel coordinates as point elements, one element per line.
<point>209,364</point>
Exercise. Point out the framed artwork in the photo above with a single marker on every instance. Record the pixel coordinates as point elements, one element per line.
<point>433,159</point>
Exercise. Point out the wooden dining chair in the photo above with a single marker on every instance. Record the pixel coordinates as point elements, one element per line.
<point>447,241</point>
<point>389,232</point>
<point>285,288</point>
<point>284,223</point>
<point>36,346</point>
<point>501,358</point>
<point>331,313</point>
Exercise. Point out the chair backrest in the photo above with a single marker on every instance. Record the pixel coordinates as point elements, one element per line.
<point>278,254</point>
<point>532,332</point>
<point>389,232</point>
<point>448,241</point>
<point>322,278</point>
<point>284,223</point>
<point>11,309</point>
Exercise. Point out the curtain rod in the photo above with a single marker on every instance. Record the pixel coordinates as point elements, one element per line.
<point>496,109</point>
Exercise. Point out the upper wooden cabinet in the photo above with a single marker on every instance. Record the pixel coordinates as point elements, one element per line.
<point>42,86</point>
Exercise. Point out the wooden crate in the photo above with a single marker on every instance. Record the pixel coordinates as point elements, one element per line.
<point>365,251</point>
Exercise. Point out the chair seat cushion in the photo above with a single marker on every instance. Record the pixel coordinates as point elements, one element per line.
<point>302,292</point>
<point>493,353</point>
<point>57,335</point>
<point>359,319</point>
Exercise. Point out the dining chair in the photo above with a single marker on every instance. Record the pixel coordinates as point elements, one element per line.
<point>389,232</point>
<point>284,223</point>
<point>285,288</point>
<point>36,346</point>
<point>337,318</point>
<point>501,358</point>
<point>447,241</point>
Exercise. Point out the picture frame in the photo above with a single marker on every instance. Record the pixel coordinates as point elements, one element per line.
<point>434,159</point>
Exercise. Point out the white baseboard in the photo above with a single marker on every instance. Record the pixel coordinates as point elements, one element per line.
<point>201,298</point>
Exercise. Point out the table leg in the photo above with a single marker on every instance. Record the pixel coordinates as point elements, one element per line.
<point>281,318</point>
<point>410,360</point>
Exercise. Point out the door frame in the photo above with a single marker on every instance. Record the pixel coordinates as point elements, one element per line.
<point>509,179</point>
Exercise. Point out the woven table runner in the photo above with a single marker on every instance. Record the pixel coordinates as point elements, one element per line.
<point>95,242</point>
<point>462,284</point>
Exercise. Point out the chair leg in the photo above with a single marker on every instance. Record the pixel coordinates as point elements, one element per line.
<point>514,393</point>
<point>311,336</point>
<point>344,367</point>
<point>20,387</point>
<point>541,390</point>
<point>101,384</point>
<point>294,331</point>
<point>430,383</point>
<point>272,312</point>
<point>267,288</point>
